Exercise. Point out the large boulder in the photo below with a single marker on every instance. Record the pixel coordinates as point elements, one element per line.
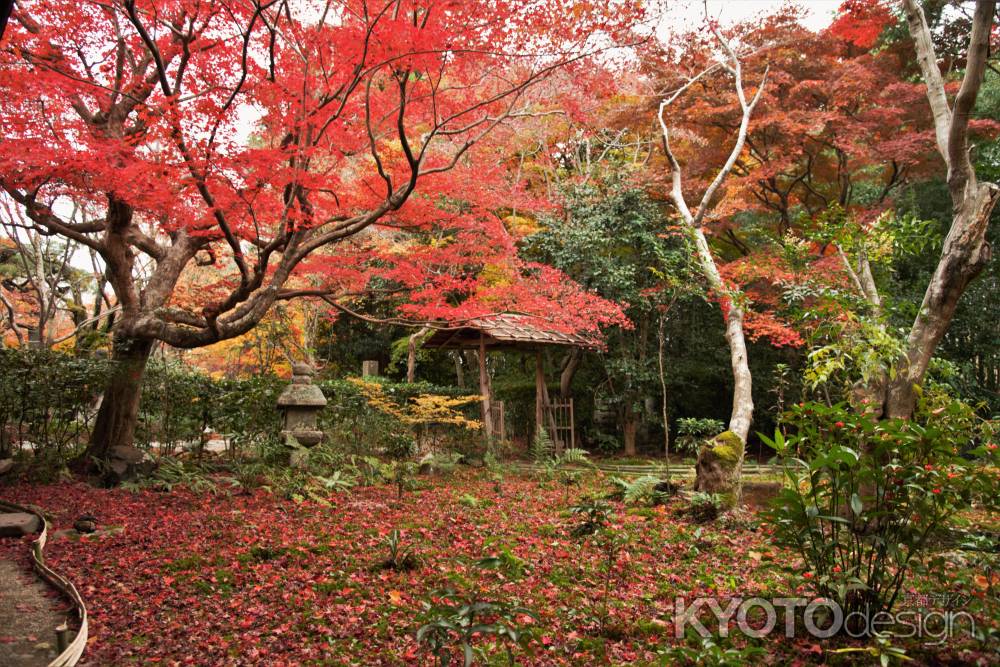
<point>126,463</point>
<point>18,524</point>
<point>6,465</point>
<point>717,470</point>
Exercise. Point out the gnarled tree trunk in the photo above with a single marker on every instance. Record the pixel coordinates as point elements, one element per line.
<point>963,257</point>
<point>119,412</point>
<point>569,368</point>
<point>411,353</point>
<point>965,251</point>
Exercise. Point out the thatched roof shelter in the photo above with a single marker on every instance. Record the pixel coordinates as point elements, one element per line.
<point>513,332</point>
<point>504,332</point>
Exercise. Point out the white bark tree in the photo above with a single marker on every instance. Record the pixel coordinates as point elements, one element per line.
<point>965,251</point>
<point>717,472</point>
<point>731,297</point>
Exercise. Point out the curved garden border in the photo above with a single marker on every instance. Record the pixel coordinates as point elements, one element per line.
<point>71,654</point>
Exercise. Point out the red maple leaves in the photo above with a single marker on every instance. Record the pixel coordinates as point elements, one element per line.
<point>249,137</point>
<point>861,22</point>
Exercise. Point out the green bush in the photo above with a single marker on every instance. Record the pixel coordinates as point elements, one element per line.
<point>47,399</point>
<point>691,432</point>
<point>453,624</point>
<point>176,407</point>
<point>244,410</point>
<point>865,497</point>
<point>353,425</point>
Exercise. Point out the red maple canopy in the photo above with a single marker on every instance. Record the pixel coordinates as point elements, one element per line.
<point>261,138</point>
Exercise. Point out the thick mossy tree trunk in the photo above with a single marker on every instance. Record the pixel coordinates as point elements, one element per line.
<point>119,411</point>
<point>719,468</point>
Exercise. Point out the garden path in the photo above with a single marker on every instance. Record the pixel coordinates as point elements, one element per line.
<point>29,615</point>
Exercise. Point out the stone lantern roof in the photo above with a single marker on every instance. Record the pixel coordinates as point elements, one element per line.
<point>302,392</point>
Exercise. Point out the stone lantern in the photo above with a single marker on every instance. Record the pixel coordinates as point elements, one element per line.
<point>301,402</point>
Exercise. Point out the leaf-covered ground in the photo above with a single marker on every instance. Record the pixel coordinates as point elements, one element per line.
<point>233,579</point>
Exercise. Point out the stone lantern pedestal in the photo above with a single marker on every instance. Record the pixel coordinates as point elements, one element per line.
<point>300,403</point>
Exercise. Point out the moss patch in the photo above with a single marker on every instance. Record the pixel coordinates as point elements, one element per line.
<point>727,446</point>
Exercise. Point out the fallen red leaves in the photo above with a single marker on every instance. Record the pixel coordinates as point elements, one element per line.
<point>244,579</point>
<point>240,580</point>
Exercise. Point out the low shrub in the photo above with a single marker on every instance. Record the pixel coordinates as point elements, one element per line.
<point>47,402</point>
<point>705,507</point>
<point>865,497</point>
<point>692,431</point>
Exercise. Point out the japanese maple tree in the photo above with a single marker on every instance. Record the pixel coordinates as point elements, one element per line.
<point>840,131</point>
<point>251,137</point>
<point>839,127</point>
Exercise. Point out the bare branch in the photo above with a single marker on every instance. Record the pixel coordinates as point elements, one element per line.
<point>927,60</point>
<point>975,69</point>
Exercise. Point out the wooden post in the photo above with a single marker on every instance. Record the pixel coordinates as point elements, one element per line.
<point>503,420</point>
<point>549,412</point>
<point>572,425</point>
<point>62,638</point>
<point>539,392</point>
<point>484,388</point>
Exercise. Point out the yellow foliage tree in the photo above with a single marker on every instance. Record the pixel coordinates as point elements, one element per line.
<point>422,410</point>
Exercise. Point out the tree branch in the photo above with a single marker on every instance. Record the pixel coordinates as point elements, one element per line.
<point>975,69</point>
<point>927,60</point>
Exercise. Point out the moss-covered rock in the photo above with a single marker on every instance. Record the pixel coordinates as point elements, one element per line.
<point>718,467</point>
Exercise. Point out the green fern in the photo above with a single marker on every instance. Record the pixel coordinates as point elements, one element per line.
<point>575,456</point>
<point>542,449</point>
<point>338,481</point>
<point>371,470</point>
<point>639,491</point>
<point>172,472</point>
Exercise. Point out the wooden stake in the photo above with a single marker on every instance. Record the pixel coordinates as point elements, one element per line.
<point>484,388</point>
<point>539,392</point>
<point>62,638</point>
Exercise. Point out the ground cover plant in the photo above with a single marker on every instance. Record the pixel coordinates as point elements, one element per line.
<point>244,578</point>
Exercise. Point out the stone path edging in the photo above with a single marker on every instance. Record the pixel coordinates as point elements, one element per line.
<point>71,654</point>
